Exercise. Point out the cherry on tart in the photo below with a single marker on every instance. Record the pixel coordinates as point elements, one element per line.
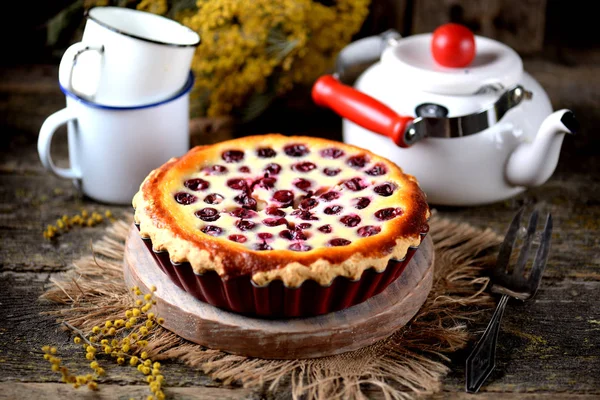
<point>283,208</point>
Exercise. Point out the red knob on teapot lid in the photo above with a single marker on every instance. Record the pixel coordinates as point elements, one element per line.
<point>453,45</point>
<point>411,60</point>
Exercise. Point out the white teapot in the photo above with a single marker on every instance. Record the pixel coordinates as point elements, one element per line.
<point>470,135</point>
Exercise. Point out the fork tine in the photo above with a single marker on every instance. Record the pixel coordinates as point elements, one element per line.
<point>541,257</point>
<point>507,244</point>
<point>524,254</point>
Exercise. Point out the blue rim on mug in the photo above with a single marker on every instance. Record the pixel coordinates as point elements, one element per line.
<point>185,90</point>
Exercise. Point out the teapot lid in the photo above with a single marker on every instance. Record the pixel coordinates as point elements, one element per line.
<point>495,66</point>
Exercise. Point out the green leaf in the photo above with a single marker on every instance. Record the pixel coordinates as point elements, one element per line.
<point>256,105</point>
<point>278,44</point>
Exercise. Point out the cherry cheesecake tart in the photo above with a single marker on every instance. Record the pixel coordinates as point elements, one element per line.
<point>280,226</point>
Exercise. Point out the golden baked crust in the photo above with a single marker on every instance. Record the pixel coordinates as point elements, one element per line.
<point>394,217</point>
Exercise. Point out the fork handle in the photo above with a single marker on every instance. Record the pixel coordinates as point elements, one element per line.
<point>482,360</point>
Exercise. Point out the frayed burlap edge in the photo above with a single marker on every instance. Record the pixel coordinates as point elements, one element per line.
<point>410,362</point>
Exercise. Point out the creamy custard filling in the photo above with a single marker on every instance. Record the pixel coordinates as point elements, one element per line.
<point>287,196</point>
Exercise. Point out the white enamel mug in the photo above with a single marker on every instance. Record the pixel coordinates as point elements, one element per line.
<point>112,149</point>
<point>128,57</point>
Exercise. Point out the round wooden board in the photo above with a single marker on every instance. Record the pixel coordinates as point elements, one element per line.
<point>295,338</point>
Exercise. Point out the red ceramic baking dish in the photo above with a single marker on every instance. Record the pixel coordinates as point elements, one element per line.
<point>275,300</point>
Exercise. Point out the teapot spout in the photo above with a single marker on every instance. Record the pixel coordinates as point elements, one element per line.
<point>532,163</point>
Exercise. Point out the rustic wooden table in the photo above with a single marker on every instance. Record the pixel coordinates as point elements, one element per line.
<point>548,347</point>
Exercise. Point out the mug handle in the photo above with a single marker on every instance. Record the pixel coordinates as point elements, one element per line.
<point>49,127</point>
<point>69,61</point>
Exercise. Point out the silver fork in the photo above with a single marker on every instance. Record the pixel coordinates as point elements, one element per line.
<point>481,361</point>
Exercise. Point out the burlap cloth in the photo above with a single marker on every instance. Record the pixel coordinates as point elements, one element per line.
<point>410,362</point>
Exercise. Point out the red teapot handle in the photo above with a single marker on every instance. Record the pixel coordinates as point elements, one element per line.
<point>360,108</point>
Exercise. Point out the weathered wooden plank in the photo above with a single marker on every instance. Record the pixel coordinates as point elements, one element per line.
<point>28,203</point>
<point>573,202</point>
<point>57,391</point>
<point>551,343</point>
<point>509,21</point>
<point>383,15</point>
<point>23,331</point>
<point>512,396</point>
<point>575,87</point>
